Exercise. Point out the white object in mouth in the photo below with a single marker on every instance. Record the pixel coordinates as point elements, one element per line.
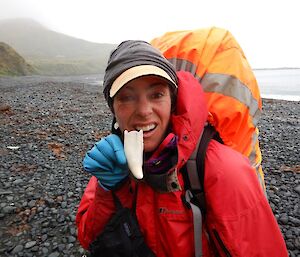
<point>134,147</point>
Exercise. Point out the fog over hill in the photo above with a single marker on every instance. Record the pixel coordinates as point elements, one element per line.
<point>52,52</point>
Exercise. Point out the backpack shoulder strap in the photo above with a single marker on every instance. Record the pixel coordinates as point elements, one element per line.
<point>196,167</point>
<point>194,183</point>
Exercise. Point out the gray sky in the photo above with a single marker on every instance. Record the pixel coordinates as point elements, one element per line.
<point>267,30</point>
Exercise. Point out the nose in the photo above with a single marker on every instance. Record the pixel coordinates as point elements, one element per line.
<point>144,107</point>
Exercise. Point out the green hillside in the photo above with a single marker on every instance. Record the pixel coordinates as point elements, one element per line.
<point>53,53</point>
<point>13,64</point>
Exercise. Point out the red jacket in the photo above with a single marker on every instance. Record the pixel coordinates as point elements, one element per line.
<point>238,213</point>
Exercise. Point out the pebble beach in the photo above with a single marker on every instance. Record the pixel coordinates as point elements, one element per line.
<point>47,125</point>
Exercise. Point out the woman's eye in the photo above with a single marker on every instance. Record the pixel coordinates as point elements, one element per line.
<point>157,95</point>
<point>125,98</point>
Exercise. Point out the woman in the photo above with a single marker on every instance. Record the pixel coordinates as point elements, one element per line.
<point>145,93</point>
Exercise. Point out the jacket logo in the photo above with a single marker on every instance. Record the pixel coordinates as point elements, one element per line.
<point>164,210</point>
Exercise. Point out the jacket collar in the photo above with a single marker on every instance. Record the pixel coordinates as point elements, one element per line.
<point>190,115</point>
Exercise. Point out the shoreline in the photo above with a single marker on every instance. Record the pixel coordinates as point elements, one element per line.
<point>290,98</point>
<point>46,128</point>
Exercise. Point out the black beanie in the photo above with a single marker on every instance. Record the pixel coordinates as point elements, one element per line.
<point>126,58</point>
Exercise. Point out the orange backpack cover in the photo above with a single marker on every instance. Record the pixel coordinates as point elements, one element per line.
<point>215,58</point>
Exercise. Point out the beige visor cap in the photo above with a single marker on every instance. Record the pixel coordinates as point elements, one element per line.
<point>135,72</point>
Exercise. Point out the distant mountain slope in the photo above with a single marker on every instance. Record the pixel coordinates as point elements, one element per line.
<point>52,52</point>
<point>11,63</point>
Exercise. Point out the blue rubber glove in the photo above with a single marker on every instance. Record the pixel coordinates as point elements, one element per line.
<point>107,161</point>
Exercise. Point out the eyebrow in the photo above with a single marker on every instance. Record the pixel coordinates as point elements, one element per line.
<point>152,85</point>
<point>156,84</point>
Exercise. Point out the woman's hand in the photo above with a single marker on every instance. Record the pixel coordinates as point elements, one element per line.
<point>107,161</point>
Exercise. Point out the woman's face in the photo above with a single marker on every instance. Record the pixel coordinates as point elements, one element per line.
<point>144,103</point>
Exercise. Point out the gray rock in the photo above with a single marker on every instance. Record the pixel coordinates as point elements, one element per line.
<point>54,254</point>
<point>31,204</point>
<point>295,221</point>
<point>45,250</point>
<point>297,189</point>
<point>71,239</point>
<point>8,209</point>
<point>18,181</point>
<point>17,249</point>
<point>30,244</point>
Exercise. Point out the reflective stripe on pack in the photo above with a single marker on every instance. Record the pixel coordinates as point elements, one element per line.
<point>181,64</point>
<point>222,83</point>
<point>231,86</point>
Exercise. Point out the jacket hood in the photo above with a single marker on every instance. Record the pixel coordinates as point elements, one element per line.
<point>190,115</point>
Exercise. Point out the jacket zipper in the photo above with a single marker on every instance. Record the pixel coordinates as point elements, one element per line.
<point>221,243</point>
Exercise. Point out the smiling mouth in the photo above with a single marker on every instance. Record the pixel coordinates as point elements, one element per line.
<point>146,128</point>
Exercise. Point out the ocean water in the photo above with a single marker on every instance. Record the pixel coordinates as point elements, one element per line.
<point>279,83</point>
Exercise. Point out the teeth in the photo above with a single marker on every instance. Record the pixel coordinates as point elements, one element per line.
<point>146,128</point>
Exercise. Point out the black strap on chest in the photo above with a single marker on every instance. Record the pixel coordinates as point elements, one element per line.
<point>193,173</point>
<point>195,167</point>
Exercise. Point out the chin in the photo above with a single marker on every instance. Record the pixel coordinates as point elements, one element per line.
<point>151,144</point>
<point>148,148</point>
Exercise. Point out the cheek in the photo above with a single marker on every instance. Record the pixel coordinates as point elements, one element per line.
<point>166,112</point>
<point>122,118</point>
<point>120,122</point>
